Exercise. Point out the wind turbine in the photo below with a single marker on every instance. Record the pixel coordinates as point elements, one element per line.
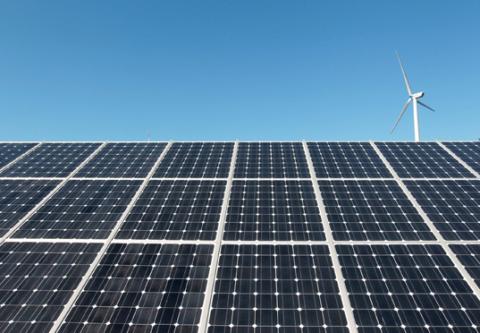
<point>414,99</point>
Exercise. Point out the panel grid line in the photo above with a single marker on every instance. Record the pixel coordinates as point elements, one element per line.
<point>225,179</point>
<point>106,243</point>
<point>441,241</point>
<point>347,307</point>
<point>15,160</point>
<point>237,242</point>
<point>49,195</point>
<point>207,300</point>
<point>459,160</point>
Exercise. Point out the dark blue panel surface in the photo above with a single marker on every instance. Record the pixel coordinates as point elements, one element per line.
<point>143,288</point>
<point>51,160</point>
<point>346,160</point>
<point>276,288</point>
<point>128,160</point>
<point>167,209</point>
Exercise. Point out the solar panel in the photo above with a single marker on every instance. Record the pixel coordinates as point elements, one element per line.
<point>346,160</point>
<point>371,210</point>
<point>51,160</point>
<point>196,160</point>
<point>276,288</point>
<point>244,237</point>
<point>18,197</point>
<point>469,152</point>
<point>143,288</point>
<point>271,160</point>
<point>10,151</point>
<point>469,256</point>
<point>273,210</point>
<point>422,160</point>
<point>37,279</point>
<point>176,210</point>
<point>413,288</point>
<point>129,160</point>
<point>81,209</point>
<point>452,205</point>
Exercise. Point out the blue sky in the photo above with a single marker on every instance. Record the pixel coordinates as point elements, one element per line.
<point>248,70</point>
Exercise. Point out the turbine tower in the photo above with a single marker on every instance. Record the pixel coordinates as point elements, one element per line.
<point>414,99</point>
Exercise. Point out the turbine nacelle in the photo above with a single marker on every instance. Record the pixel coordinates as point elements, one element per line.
<point>418,95</point>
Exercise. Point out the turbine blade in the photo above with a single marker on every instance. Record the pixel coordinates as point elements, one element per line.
<point>426,106</point>
<point>405,78</point>
<point>401,114</point>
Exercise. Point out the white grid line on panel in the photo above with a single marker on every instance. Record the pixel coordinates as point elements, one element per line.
<point>49,195</point>
<point>459,160</point>
<point>34,178</point>
<point>189,178</point>
<point>207,301</point>
<point>9,164</point>
<point>225,179</point>
<point>164,241</point>
<point>347,307</point>
<point>442,242</point>
<point>66,309</point>
<point>55,240</point>
<point>270,179</point>
<point>236,242</point>
<point>115,241</point>
<point>108,178</point>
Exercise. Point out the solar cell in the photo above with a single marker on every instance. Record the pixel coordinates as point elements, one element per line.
<point>276,288</point>
<point>81,209</point>
<point>18,197</point>
<point>401,288</point>
<point>51,160</point>
<point>371,210</point>
<point>271,160</point>
<point>196,160</point>
<point>10,151</point>
<point>422,160</point>
<point>346,160</point>
<point>469,152</point>
<point>469,256</point>
<point>179,209</point>
<point>130,160</point>
<point>273,210</point>
<point>452,205</point>
<point>143,288</point>
<point>37,280</point>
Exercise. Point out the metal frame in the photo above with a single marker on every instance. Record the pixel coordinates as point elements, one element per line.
<point>347,307</point>
<point>212,274</point>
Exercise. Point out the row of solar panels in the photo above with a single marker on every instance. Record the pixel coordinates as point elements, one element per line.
<point>254,160</point>
<point>141,287</point>
<point>258,288</point>
<point>257,210</point>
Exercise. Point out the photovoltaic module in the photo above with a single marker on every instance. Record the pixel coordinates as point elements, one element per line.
<point>234,237</point>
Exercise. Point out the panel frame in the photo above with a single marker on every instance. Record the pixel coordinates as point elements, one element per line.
<point>208,299</point>
<point>347,306</point>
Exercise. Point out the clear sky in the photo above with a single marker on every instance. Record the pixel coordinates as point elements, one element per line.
<point>248,70</point>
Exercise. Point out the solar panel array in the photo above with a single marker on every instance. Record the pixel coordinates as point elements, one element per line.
<point>230,237</point>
